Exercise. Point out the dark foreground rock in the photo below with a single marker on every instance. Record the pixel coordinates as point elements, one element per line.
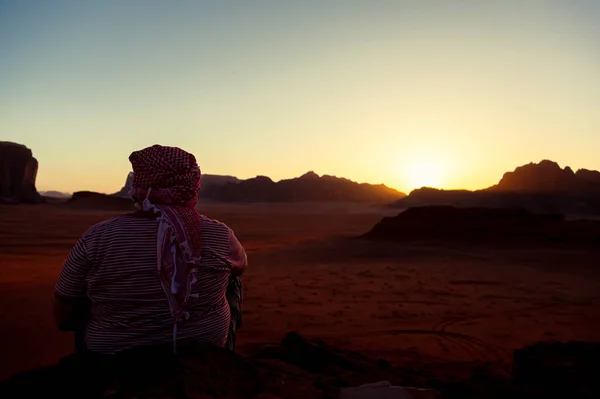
<point>492,226</point>
<point>299,368</point>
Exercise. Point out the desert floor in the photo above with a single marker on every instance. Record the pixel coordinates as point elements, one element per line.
<point>309,273</point>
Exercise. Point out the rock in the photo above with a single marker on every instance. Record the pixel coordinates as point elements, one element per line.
<point>93,200</point>
<point>540,371</point>
<point>569,370</point>
<point>490,226</point>
<point>543,187</point>
<point>124,192</point>
<point>18,171</point>
<point>309,187</point>
<point>543,177</point>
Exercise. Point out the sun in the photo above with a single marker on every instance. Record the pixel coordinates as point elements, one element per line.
<point>424,173</point>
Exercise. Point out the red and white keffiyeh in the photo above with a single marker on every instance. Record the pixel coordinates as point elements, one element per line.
<point>166,181</point>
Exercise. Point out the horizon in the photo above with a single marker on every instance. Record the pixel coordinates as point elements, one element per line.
<point>444,94</point>
<point>575,170</point>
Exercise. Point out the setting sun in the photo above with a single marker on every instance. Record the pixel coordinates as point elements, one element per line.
<point>424,173</point>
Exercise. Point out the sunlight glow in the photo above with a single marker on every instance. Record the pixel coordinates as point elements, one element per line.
<point>422,172</point>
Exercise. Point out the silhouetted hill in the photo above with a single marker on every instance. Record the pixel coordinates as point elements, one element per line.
<point>542,187</point>
<point>494,226</point>
<point>308,187</point>
<point>18,171</point>
<point>548,177</point>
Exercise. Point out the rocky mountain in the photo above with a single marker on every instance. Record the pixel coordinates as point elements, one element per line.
<point>542,187</point>
<point>18,171</point>
<point>548,177</point>
<point>308,187</point>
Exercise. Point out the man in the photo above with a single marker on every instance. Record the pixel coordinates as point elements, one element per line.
<point>161,275</point>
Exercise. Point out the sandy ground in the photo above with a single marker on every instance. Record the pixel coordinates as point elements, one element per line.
<point>308,274</point>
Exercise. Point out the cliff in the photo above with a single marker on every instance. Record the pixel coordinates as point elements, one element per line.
<point>18,171</point>
<point>542,187</point>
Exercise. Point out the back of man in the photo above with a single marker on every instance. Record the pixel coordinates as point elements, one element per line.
<point>115,264</point>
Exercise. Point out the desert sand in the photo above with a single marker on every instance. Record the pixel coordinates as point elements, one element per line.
<point>310,273</point>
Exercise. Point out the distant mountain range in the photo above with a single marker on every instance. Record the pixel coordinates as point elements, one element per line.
<point>308,187</point>
<point>542,187</point>
<point>538,187</point>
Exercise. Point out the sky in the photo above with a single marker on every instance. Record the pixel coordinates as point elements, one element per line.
<point>445,93</point>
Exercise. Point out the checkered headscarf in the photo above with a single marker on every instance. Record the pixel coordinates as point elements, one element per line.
<point>166,181</point>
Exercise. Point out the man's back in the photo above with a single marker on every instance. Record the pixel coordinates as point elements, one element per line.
<point>115,262</point>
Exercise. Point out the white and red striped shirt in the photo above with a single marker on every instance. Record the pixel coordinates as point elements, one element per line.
<point>114,263</point>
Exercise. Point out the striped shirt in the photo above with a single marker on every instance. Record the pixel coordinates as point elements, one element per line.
<point>114,263</point>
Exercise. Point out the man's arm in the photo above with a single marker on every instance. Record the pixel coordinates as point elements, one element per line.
<point>71,304</point>
<point>237,255</point>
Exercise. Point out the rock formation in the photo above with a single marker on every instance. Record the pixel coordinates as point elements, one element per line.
<point>542,187</point>
<point>18,171</point>
<point>488,226</point>
<point>308,187</point>
<point>548,177</point>
<point>124,192</point>
<point>90,199</point>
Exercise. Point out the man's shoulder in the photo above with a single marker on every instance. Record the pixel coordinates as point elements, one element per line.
<point>119,222</point>
<point>213,223</point>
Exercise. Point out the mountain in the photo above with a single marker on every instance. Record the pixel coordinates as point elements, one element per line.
<point>548,177</point>
<point>18,172</point>
<point>308,187</point>
<point>542,187</point>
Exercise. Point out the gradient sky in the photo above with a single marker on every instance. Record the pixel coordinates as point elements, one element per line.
<point>406,93</point>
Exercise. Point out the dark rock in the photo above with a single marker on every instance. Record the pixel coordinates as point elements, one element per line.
<point>544,177</point>
<point>124,192</point>
<point>494,226</point>
<point>544,188</point>
<point>546,370</point>
<point>18,171</point>
<point>307,188</point>
<point>90,199</point>
<point>567,369</point>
